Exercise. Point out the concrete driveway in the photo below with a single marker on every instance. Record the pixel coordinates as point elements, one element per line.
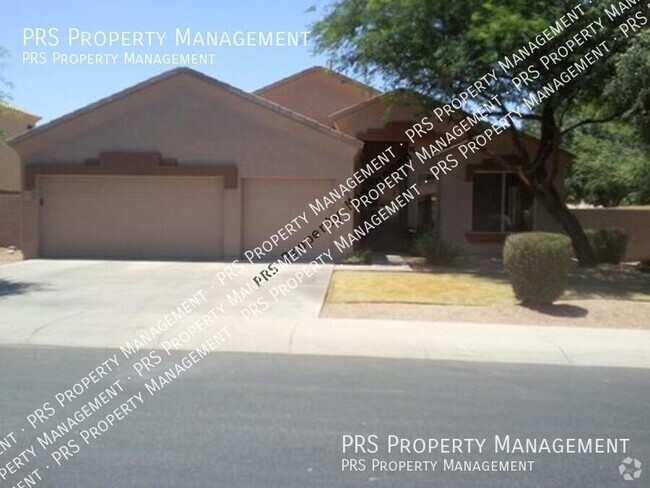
<point>104,303</point>
<point>109,303</point>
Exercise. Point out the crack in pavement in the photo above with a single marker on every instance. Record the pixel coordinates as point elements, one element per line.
<point>53,322</point>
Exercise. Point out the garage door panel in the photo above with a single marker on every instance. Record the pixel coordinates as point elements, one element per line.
<point>131,217</point>
<point>270,204</point>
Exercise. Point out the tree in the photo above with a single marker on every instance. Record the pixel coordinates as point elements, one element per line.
<point>612,161</point>
<point>439,48</point>
<point>612,165</point>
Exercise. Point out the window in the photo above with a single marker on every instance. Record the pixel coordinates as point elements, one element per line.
<point>500,203</point>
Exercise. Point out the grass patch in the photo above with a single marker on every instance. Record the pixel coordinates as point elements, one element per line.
<point>412,287</point>
<point>464,288</point>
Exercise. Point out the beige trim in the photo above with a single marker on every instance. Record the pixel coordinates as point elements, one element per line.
<point>131,164</point>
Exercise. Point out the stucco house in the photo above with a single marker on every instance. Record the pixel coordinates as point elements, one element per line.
<point>183,166</point>
<point>13,121</point>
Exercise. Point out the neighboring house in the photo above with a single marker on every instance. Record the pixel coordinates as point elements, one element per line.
<point>12,121</point>
<point>183,166</point>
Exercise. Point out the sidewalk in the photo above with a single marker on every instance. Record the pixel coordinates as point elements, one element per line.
<point>106,304</point>
<point>385,339</point>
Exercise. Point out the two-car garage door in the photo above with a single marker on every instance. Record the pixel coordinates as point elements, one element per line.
<point>131,217</point>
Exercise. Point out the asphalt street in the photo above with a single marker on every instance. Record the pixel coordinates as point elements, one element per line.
<point>255,420</point>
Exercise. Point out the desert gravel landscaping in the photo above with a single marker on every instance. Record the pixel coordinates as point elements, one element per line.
<point>582,313</point>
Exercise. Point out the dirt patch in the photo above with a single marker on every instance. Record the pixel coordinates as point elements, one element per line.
<point>579,313</point>
<point>9,255</point>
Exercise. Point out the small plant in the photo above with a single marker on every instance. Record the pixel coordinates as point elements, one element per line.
<point>433,248</point>
<point>360,256</point>
<point>609,245</point>
<point>537,263</point>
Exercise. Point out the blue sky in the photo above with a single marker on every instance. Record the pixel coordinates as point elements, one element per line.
<point>54,90</point>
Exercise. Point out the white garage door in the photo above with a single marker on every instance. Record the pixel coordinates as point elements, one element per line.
<point>131,217</point>
<point>270,204</point>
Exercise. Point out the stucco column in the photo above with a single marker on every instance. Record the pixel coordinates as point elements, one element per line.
<point>29,224</point>
<point>232,220</point>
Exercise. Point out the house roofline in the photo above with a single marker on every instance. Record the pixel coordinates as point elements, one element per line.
<point>314,69</point>
<point>251,97</point>
<point>366,103</point>
<point>371,101</point>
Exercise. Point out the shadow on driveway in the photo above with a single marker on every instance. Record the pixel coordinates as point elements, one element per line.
<point>8,287</point>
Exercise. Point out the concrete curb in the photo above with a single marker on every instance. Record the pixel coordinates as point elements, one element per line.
<point>455,341</point>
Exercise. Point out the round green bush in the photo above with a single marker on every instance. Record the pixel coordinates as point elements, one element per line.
<point>537,263</point>
<point>609,245</point>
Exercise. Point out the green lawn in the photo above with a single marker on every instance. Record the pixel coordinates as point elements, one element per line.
<point>464,288</point>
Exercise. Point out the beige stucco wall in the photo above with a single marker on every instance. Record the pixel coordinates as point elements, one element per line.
<point>9,169</point>
<point>195,122</point>
<point>388,117</point>
<point>12,122</point>
<point>9,219</point>
<point>317,93</point>
<point>634,220</point>
<point>455,197</point>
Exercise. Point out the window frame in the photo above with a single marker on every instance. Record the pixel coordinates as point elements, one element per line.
<point>502,212</point>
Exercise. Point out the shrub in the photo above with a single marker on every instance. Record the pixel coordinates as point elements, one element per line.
<point>537,263</point>
<point>361,256</point>
<point>609,245</point>
<point>434,249</point>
